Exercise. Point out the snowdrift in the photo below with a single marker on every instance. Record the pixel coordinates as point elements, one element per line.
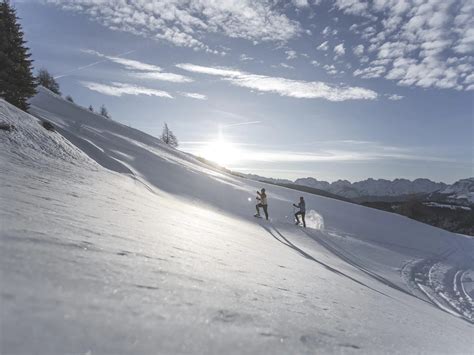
<point>112,242</point>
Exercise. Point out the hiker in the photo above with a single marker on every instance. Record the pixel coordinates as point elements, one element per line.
<point>262,198</point>
<point>301,212</point>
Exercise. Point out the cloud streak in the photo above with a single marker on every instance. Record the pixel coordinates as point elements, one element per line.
<point>241,124</point>
<point>89,65</point>
<point>120,89</point>
<point>141,70</point>
<point>395,97</point>
<point>365,152</point>
<point>194,95</point>
<point>283,86</point>
<point>171,77</point>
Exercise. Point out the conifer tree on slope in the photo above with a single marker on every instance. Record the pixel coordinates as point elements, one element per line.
<point>47,80</point>
<point>168,137</point>
<point>17,83</point>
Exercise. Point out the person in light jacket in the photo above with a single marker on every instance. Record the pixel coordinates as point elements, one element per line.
<point>262,202</point>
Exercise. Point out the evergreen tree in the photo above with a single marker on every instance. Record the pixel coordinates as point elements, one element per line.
<point>104,112</point>
<point>17,83</point>
<point>69,98</point>
<point>91,109</point>
<point>47,80</point>
<point>168,137</point>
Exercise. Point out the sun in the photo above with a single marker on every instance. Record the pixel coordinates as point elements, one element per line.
<point>221,152</point>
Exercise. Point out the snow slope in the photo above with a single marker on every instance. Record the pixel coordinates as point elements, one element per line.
<point>113,243</point>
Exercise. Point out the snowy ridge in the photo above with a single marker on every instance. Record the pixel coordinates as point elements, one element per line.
<point>128,246</point>
<point>462,190</point>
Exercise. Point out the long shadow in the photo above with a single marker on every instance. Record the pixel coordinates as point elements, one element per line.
<point>351,262</point>
<point>289,244</point>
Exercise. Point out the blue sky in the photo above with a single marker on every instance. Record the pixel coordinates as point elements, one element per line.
<point>342,89</point>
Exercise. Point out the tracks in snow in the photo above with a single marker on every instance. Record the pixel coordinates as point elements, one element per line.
<point>442,283</point>
<point>438,280</point>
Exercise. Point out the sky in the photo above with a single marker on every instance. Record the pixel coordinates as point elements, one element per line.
<point>332,89</point>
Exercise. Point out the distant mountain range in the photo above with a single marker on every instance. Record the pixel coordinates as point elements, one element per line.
<point>461,192</point>
<point>372,187</point>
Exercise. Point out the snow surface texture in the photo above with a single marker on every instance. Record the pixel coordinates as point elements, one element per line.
<point>113,243</point>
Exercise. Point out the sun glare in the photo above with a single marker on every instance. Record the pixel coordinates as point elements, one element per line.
<point>221,152</point>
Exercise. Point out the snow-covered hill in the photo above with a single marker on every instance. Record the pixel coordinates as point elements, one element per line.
<point>111,243</point>
<point>372,187</point>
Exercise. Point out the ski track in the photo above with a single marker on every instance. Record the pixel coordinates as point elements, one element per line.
<point>457,303</point>
<point>463,276</point>
<point>441,283</point>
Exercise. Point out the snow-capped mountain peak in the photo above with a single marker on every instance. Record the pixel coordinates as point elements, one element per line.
<point>460,191</point>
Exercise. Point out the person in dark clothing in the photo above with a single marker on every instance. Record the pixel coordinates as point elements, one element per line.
<point>262,198</point>
<point>301,212</point>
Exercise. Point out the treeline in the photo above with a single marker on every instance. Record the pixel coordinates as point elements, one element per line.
<point>17,81</point>
<point>458,219</point>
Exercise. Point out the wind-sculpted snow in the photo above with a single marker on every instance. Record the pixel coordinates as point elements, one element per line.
<point>113,243</point>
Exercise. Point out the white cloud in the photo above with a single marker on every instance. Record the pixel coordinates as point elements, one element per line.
<point>127,63</point>
<point>119,89</point>
<point>469,79</point>
<point>354,27</point>
<point>291,54</point>
<point>184,23</point>
<point>323,46</point>
<point>171,77</point>
<point>145,71</point>
<point>231,73</point>
<point>395,97</point>
<point>464,22</point>
<point>300,3</point>
<point>339,50</point>
<point>245,58</point>
<point>352,7</point>
<point>286,66</point>
<point>371,72</point>
<point>330,69</point>
<point>358,50</point>
<point>283,86</point>
<point>194,95</point>
<point>422,43</point>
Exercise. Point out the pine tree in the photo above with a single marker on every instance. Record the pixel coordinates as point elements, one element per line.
<point>91,109</point>
<point>17,83</point>
<point>104,112</point>
<point>47,80</point>
<point>168,137</point>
